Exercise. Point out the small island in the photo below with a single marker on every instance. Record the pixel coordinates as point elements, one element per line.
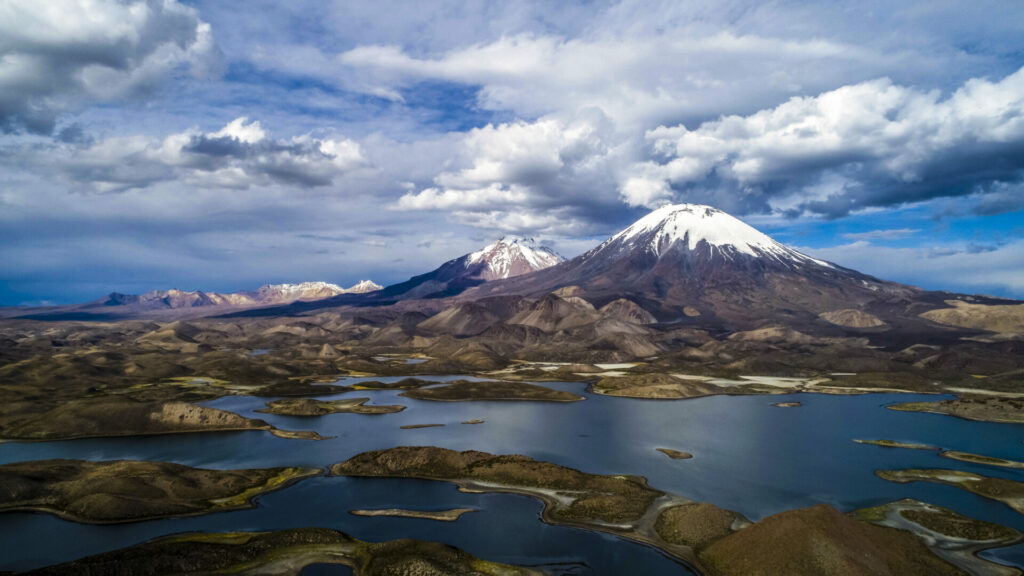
<point>659,386</point>
<point>594,499</point>
<point>895,444</point>
<point>439,515</point>
<point>980,459</point>
<point>713,540</point>
<point>300,388</point>
<point>416,426</point>
<point>787,404</point>
<point>1009,492</point>
<point>311,407</point>
<point>675,454</point>
<point>981,408</point>
<point>113,416</point>
<point>403,384</point>
<point>297,434</point>
<point>130,491</point>
<point>468,391</point>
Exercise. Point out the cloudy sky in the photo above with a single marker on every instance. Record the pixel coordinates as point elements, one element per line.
<point>219,145</point>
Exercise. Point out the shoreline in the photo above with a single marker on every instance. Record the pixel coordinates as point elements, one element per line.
<point>683,554</point>
<point>249,502</point>
<point>269,429</point>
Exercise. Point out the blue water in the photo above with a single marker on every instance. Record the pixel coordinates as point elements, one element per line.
<point>326,570</point>
<point>749,457</point>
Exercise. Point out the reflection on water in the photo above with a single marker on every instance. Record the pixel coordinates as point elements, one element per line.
<point>748,456</point>
<point>326,570</point>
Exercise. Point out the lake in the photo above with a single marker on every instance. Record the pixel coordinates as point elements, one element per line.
<point>749,456</point>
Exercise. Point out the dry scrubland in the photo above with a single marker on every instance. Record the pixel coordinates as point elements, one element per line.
<point>61,380</point>
<point>810,541</point>
<point>281,553</point>
<point>129,491</point>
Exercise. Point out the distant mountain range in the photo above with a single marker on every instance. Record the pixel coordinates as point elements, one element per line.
<point>264,295</point>
<point>117,303</point>
<point>509,257</point>
<point>506,258</point>
<point>698,265</point>
<point>682,265</point>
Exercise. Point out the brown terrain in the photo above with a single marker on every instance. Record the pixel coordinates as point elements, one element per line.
<point>673,320</point>
<point>129,491</point>
<point>811,541</point>
<point>311,407</point>
<point>972,407</point>
<point>283,552</point>
<point>1009,492</point>
<point>821,541</point>
<point>464,390</point>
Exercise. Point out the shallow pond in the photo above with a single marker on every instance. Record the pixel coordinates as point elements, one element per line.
<point>749,456</point>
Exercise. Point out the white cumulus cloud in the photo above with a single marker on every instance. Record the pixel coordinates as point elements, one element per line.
<point>517,171</point>
<point>881,144</point>
<point>59,54</point>
<point>239,155</point>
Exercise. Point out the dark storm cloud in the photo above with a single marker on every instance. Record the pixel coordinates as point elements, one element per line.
<point>1000,199</point>
<point>59,57</point>
<point>238,156</point>
<point>464,120</point>
<point>874,144</point>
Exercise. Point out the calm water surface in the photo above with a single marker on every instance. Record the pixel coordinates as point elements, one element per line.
<point>748,456</point>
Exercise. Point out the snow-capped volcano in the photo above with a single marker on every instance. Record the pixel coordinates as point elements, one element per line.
<point>688,264</point>
<point>511,256</point>
<point>279,293</point>
<point>362,287</point>
<point>267,294</point>
<point>689,226</point>
<point>272,293</point>
<point>698,262</point>
<point>506,258</point>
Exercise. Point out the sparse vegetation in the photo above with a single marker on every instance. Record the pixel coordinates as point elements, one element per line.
<point>127,491</point>
<point>468,391</point>
<point>983,408</point>
<point>310,407</point>
<point>809,541</point>
<point>119,416</point>
<point>980,459</point>
<point>1009,492</point>
<point>284,552</point>
<point>439,515</point>
<point>949,523</point>
<point>694,525</point>
<point>675,454</point>
<point>595,498</point>
<point>819,541</point>
<point>895,444</point>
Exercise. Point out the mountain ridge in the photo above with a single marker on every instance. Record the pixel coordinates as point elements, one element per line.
<point>266,294</point>
<point>172,299</point>
<point>684,265</point>
<point>508,257</point>
<point>698,257</point>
